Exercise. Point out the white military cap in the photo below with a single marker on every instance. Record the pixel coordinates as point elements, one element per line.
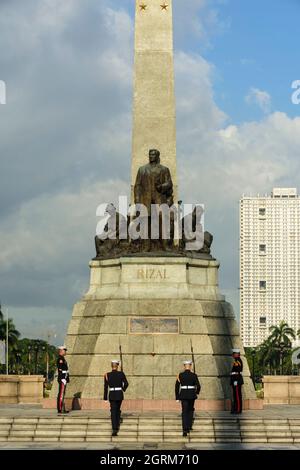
<point>188,362</point>
<point>115,361</point>
<point>237,351</point>
<point>62,347</point>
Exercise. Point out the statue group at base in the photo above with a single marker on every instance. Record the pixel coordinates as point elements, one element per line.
<point>153,189</point>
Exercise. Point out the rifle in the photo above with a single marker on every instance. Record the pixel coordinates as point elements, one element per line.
<point>193,357</point>
<point>121,356</point>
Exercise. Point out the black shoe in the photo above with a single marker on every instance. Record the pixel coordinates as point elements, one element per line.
<point>114,433</point>
<point>121,420</point>
<point>65,412</point>
<point>184,433</point>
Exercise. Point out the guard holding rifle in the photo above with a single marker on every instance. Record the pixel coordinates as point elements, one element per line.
<point>187,389</point>
<point>117,383</point>
<point>236,382</point>
<point>63,379</point>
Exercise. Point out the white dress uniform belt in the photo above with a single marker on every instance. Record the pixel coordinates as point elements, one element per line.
<point>115,389</point>
<point>185,387</point>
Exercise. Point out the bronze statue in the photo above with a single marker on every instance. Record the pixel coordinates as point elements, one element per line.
<point>109,242</point>
<point>154,185</point>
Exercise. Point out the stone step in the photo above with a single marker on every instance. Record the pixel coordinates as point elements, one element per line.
<point>98,439</point>
<point>22,427</point>
<point>276,422</point>
<point>98,434</point>
<point>281,440</point>
<point>25,421</point>
<point>50,421</point>
<point>72,433</point>
<point>150,433</point>
<point>254,439</point>
<point>150,430</point>
<point>250,426</point>
<point>203,440</point>
<point>99,420</point>
<point>51,433</point>
<point>149,439</point>
<point>71,439</point>
<point>6,421</point>
<point>45,439</point>
<point>123,439</point>
<point>25,432</point>
<point>227,440</point>
<point>19,439</point>
<point>282,427</point>
<point>252,420</point>
<point>42,427</point>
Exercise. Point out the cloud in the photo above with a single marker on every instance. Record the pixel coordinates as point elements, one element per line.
<point>65,146</point>
<point>198,19</point>
<point>259,97</point>
<point>68,71</point>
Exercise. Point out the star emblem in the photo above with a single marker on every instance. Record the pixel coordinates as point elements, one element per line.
<point>143,6</point>
<point>164,6</point>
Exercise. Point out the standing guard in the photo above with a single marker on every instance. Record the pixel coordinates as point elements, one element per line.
<point>62,378</point>
<point>187,389</point>
<point>236,382</point>
<point>117,383</point>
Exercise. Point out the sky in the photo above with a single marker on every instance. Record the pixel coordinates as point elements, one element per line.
<point>65,133</point>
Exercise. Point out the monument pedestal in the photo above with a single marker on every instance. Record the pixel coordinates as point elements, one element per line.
<point>154,307</point>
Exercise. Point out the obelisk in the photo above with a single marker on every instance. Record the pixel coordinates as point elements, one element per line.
<point>153,308</point>
<point>154,100</point>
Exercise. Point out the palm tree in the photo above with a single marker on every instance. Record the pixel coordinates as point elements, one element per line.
<point>13,333</point>
<point>281,340</point>
<point>267,354</point>
<point>282,333</point>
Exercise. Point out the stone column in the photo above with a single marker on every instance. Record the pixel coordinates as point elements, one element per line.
<point>154,102</point>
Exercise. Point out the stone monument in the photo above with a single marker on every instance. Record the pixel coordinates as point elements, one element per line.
<point>153,304</point>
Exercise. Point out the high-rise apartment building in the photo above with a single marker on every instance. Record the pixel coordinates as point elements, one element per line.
<point>269,263</point>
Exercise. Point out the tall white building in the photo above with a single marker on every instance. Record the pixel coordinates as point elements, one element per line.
<point>269,263</point>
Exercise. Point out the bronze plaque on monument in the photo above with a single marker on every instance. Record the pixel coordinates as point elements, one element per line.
<point>153,325</point>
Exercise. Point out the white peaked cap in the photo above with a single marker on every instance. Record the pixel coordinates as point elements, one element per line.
<point>62,347</point>
<point>188,362</point>
<point>115,361</point>
<point>236,351</point>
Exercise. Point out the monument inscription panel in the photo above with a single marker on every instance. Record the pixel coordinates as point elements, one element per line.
<point>153,325</point>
